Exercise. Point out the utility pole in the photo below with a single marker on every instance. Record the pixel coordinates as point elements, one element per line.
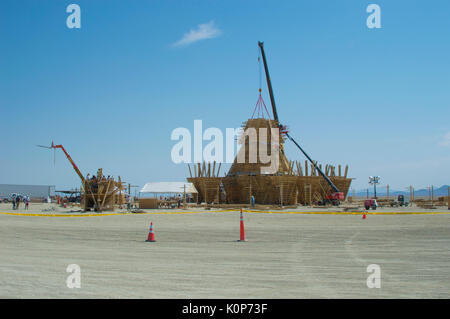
<point>432,194</point>
<point>374,180</point>
<point>184,196</point>
<point>448,197</point>
<point>134,186</point>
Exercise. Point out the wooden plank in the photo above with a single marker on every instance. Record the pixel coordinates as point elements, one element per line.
<point>190,172</point>
<point>106,193</point>
<point>218,170</point>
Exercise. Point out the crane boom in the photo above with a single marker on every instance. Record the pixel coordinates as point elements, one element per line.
<point>315,165</point>
<point>75,167</point>
<point>85,185</point>
<point>269,83</point>
<point>337,193</point>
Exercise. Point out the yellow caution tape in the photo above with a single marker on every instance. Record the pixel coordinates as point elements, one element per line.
<point>109,214</point>
<point>348,213</point>
<point>224,211</point>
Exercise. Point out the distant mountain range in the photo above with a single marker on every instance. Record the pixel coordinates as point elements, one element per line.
<point>382,191</point>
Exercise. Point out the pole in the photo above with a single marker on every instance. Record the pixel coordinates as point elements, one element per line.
<point>184,197</point>
<point>388,192</point>
<point>410,194</point>
<point>250,193</point>
<point>448,197</point>
<point>432,194</point>
<point>218,194</point>
<point>281,194</point>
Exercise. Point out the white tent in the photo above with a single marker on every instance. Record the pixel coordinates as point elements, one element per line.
<point>168,188</point>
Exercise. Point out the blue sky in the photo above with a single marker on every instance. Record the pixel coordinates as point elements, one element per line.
<point>113,91</point>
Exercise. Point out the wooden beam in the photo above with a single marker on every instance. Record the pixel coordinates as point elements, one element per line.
<point>218,170</point>
<point>106,193</point>
<point>190,172</point>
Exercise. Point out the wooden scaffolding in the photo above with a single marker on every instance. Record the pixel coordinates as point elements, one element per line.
<point>102,193</point>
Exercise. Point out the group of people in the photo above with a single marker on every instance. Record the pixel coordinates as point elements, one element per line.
<point>174,201</point>
<point>17,199</point>
<point>95,179</point>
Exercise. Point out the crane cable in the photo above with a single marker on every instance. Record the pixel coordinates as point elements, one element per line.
<point>260,105</point>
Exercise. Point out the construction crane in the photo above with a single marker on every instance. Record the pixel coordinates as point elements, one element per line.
<point>336,195</point>
<point>75,167</point>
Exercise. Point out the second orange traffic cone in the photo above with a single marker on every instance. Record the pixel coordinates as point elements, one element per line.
<point>242,228</point>
<point>151,234</point>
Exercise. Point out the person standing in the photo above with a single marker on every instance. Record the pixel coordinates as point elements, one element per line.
<point>14,203</point>
<point>27,201</point>
<point>129,202</point>
<point>17,201</point>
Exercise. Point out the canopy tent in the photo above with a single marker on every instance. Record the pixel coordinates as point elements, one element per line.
<point>169,188</point>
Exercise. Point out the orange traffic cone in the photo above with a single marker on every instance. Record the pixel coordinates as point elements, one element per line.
<point>242,230</point>
<point>151,235</point>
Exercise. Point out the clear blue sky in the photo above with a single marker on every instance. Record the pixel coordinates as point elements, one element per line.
<point>113,91</point>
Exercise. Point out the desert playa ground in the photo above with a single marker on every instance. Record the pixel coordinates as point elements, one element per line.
<point>295,253</point>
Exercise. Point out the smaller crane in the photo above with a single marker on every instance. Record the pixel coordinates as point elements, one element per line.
<point>86,185</point>
<point>75,167</point>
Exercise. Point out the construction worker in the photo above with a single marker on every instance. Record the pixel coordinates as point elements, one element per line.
<point>17,201</point>
<point>129,202</point>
